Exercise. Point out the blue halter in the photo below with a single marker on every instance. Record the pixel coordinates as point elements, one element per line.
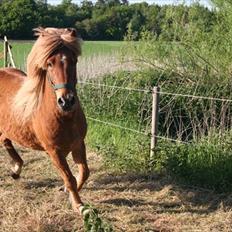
<point>61,85</point>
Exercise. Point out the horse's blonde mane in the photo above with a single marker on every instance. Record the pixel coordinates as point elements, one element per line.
<point>29,96</point>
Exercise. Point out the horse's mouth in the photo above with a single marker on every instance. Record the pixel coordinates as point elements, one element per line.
<point>67,108</point>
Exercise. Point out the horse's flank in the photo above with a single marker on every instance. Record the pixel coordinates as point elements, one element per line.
<point>29,96</point>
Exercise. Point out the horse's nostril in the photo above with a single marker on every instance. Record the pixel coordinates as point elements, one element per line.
<point>66,103</point>
<point>61,101</point>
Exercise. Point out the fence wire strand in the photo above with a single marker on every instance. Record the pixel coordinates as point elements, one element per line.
<point>118,126</point>
<point>160,92</point>
<point>116,87</point>
<point>195,96</point>
<point>135,131</point>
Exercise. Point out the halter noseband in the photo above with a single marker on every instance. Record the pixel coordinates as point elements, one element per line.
<point>61,85</point>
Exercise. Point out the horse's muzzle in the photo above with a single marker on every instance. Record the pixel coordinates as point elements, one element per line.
<point>67,102</point>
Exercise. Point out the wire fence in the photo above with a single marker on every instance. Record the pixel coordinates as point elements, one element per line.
<point>117,126</point>
<point>195,96</point>
<point>150,91</point>
<point>116,87</point>
<point>180,124</point>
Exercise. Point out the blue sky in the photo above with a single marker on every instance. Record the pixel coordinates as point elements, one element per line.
<point>161,2</point>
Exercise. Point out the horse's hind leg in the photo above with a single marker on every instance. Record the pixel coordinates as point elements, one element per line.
<point>17,162</point>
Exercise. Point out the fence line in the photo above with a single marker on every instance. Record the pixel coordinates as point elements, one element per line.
<point>118,126</point>
<point>154,135</point>
<point>135,131</point>
<point>196,96</point>
<point>116,87</point>
<point>171,140</point>
<point>160,92</point>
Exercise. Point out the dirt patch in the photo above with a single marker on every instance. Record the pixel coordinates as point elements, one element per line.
<point>129,202</point>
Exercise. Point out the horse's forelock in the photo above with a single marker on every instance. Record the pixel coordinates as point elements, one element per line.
<point>49,40</point>
<point>40,31</point>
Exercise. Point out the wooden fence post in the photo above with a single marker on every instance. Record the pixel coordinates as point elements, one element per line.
<point>5,51</point>
<point>11,56</point>
<point>155,119</point>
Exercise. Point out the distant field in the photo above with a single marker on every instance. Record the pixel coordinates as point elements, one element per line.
<point>21,49</point>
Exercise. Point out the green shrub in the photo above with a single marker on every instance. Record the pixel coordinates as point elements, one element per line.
<point>206,163</point>
<point>93,221</point>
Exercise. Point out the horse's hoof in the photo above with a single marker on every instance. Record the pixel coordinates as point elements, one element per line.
<point>83,211</point>
<point>15,176</point>
<point>63,189</point>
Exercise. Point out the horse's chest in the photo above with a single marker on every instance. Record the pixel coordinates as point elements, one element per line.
<point>62,136</point>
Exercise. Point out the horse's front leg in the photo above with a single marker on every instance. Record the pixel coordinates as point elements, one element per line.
<point>79,157</point>
<point>69,180</point>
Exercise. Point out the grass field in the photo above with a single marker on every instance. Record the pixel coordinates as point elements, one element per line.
<point>21,49</point>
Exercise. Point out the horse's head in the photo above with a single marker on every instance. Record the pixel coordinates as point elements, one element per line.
<point>61,74</point>
<point>55,55</point>
<point>51,64</point>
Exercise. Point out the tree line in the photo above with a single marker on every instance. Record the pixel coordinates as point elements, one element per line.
<point>103,20</point>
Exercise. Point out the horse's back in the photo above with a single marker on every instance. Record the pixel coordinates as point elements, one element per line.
<point>11,78</point>
<point>13,72</point>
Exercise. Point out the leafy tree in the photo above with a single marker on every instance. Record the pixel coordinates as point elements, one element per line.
<point>125,2</point>
<point>18,17</point>
<point>111,19</point>
<point>153,19</point>
<point>100,4</point>
<point>86,9</point>
<point>111,3</point>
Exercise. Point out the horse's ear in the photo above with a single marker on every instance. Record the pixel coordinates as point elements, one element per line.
<point>73,32</point>
<point>39,31</point>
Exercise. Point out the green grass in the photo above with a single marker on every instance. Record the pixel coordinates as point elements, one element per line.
<point>206,163</point>
<point>123,151</point>
<point>101,47</point>
<point>21,49</point>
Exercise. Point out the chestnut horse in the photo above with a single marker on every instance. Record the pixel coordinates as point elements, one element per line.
<point>42,111</point>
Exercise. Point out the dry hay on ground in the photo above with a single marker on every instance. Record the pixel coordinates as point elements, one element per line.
<point>130,202</point>
<point>97,66</point>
